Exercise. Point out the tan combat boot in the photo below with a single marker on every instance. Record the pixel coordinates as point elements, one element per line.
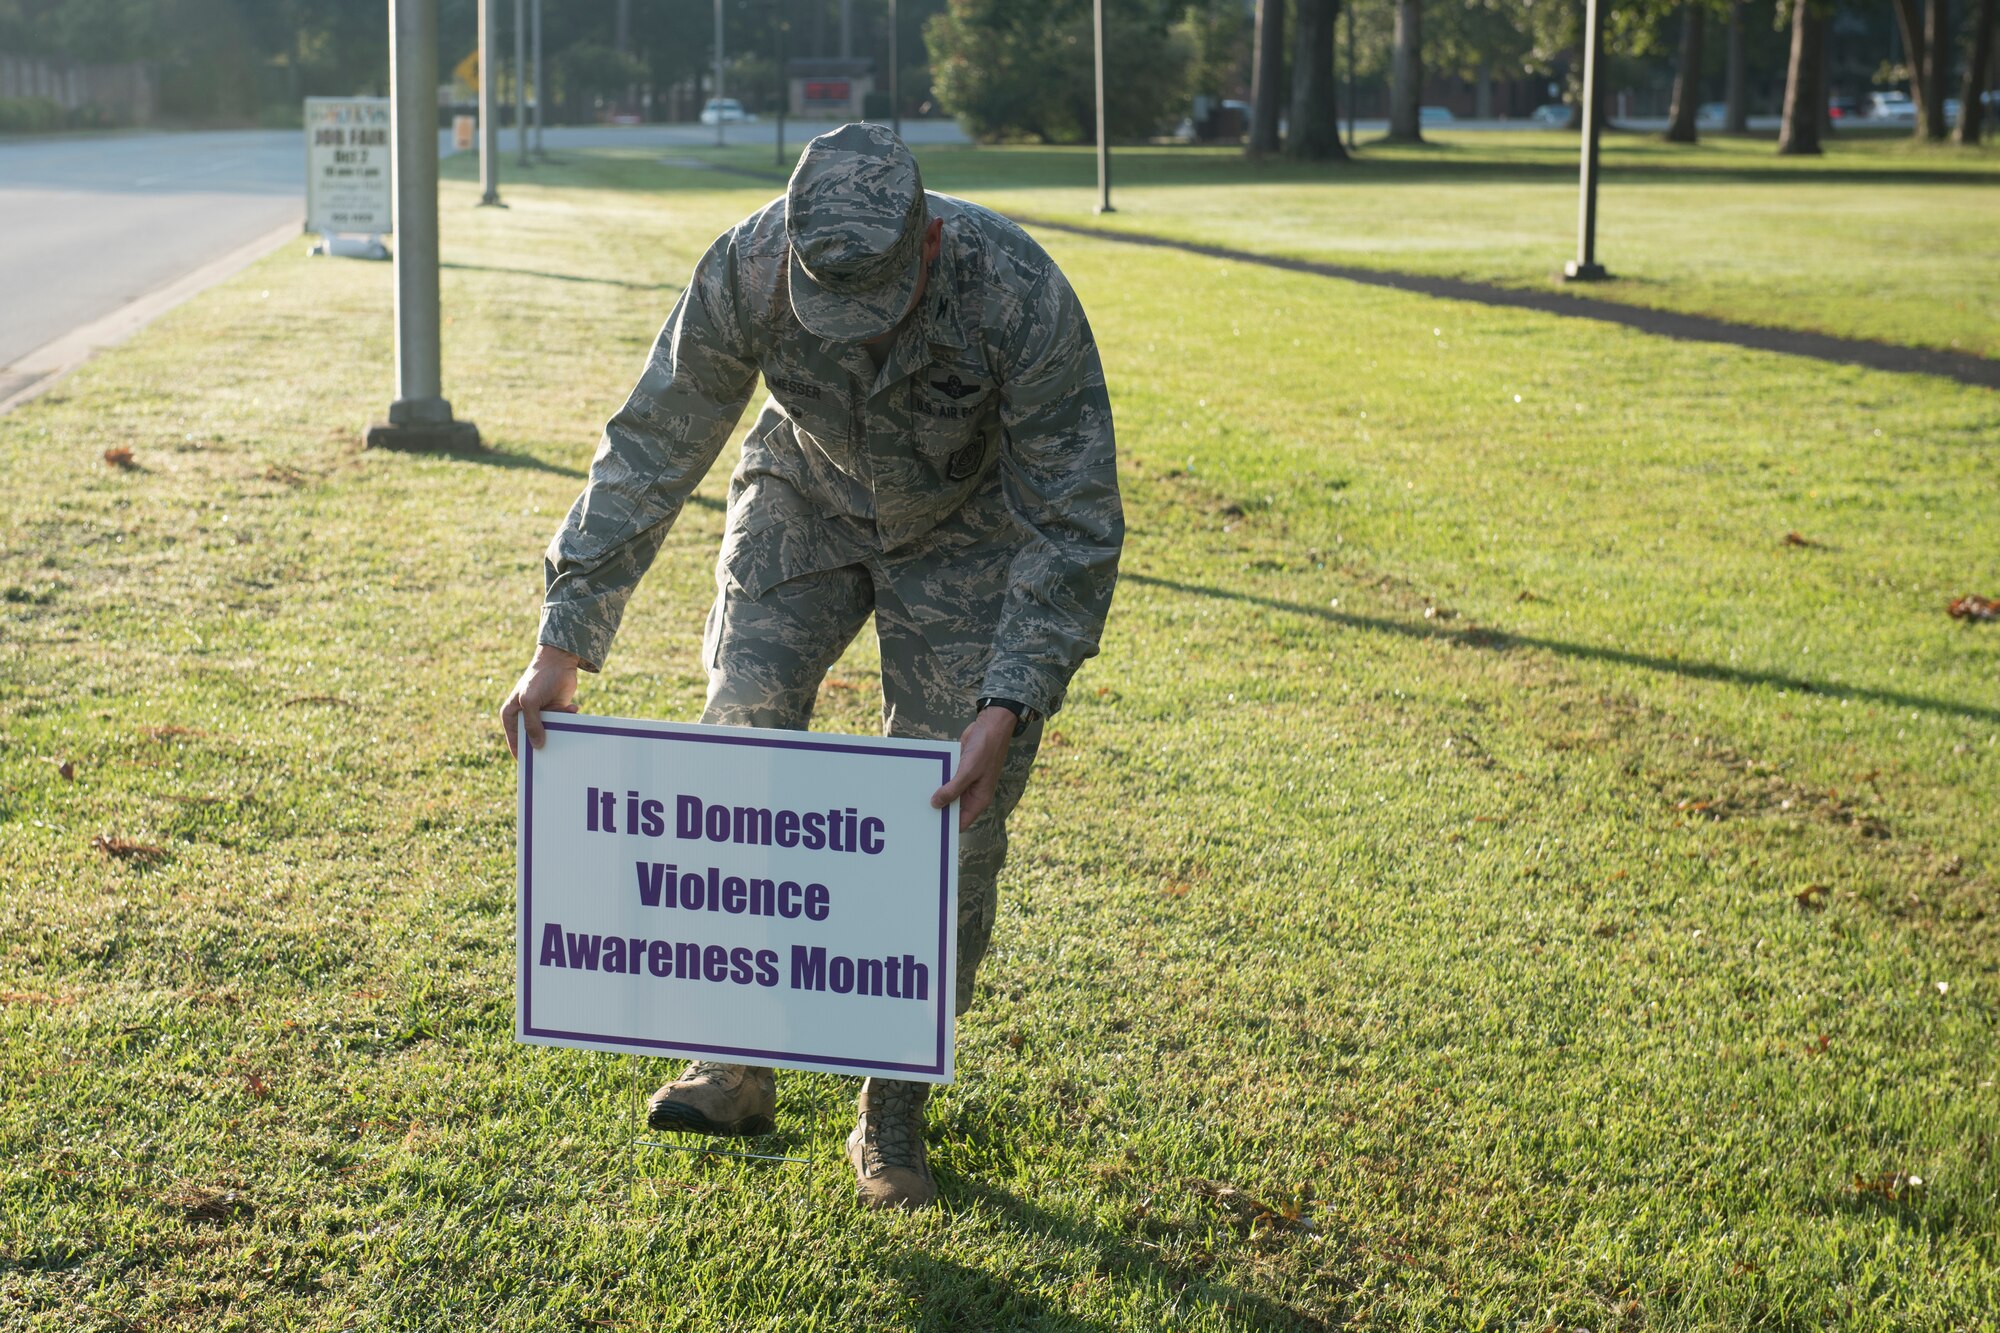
<point>887,1146</point>
<point>711,1098</point>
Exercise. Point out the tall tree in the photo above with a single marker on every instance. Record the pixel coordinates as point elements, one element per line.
<point>1406,78</point>
<point>1804,106</point>
<point>1736,82</point>
<point>1687,76</point>
<point>1937,69</point>
<point>1315,129</point>
<point>1927,40</point>
<point>1978,65</point>
<point>1267,74</point>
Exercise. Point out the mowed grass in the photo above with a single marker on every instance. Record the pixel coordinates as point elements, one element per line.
<point>1879,239</point>
<point>1491,880</point>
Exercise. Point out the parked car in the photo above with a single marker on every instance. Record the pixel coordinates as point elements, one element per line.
<point>1435,115</point>
<point>1952,106</point>
<point>725,111</point>
<point>1711,115</point>
<point>1552,114</point>
<point>1892,108</point>
<point>1843,108</point>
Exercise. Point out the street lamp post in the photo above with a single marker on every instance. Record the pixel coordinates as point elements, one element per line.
<point>1585,268</point>
<point>539,150</point>
<point>1103,140</point>
<point>419,418</point>
<point>895,76</point>
<point>784,84</point>
<point>1351,144</point>
<point>718,74</point>
<point>521,78</point>
<point>489,130</point>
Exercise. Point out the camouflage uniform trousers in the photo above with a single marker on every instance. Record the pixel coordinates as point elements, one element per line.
<point>768,649</point>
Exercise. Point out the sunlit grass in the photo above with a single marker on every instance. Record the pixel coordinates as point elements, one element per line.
<point>1492,878</point>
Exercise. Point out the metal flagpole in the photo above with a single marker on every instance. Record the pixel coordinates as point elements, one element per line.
<point>489,129</point>
<point>1585,268</point>
<point>521,78</point>
<point>419,418</point>
<point>1351,145</point>
<point>1103,140</point>
<point>784,83</point>
<point>539,150</point>
<point>718,74</point>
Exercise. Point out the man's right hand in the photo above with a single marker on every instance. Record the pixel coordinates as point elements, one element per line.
<point>547,686</point>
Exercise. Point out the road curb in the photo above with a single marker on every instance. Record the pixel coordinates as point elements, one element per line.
<point>40,370</point>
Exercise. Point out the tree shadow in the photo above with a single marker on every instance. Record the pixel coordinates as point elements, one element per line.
<point>563,277</point>
<point>952,1296</point>
<point>509,458</point>
<point>1964,367</point>
<point>1500,641</point>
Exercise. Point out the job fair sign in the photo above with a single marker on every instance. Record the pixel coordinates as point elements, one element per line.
<point>761,897</point>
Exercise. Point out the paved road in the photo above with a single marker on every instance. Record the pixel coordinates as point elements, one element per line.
<point>90,223</point>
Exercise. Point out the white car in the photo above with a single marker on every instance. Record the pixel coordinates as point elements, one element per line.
<point>1553,114</point>
<point>726,111</point>
<point>1892,108</point>
<point>1435,115</point>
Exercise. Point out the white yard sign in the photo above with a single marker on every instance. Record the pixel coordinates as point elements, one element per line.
<point>762,897</point>
<point>347,165</point>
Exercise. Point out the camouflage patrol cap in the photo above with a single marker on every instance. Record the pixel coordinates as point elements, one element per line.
<point>854,214</point>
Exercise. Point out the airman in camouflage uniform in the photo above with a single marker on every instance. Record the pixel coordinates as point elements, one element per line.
<point>935,449</point>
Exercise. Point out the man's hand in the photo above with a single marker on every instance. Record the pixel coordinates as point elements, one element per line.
<point>547,686</point>
<point>982,753</point>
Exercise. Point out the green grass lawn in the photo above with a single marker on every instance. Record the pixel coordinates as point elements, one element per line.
<point>1880,239</point>
<point>1491,880</point>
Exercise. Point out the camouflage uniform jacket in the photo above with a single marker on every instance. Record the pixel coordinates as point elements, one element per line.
<point>992,393</point>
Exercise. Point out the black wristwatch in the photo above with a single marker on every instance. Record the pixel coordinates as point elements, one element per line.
<point>1024,716</point>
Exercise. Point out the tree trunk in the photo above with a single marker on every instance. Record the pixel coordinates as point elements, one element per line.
<point>1406,87</point>
<point>1687,80</point>
<point>1265,76</point>
<point>1315,129</point>
<point>1799,136</point>
<point>1937,70</point>
<point>1911,24</point>
<point>1736,96</point>
<point>1978,62</point>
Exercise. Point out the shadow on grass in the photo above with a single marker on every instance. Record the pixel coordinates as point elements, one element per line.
<point>509,458</point>
<point>952,1296</point>
<point>564,277</point>
<point>1964,367</point>
<point>1500,641</point>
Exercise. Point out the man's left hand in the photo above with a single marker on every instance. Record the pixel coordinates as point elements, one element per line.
<point>982,753</point>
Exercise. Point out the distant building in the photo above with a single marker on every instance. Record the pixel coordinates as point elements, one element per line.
<point>829,87</point>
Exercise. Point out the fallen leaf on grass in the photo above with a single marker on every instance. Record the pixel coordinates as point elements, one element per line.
<point>206,1203</point>
<point>258,1087</point>
<point>124,849</point>
<point>332,699</point>
<point>1819,1044</point>
<point>1974,607</point>
<point>1177,889</point>
<point>120,457</point>
<point>1890,1186</point>
<point>1798,539</point>
<point>1254,1214</point>
<point>1812,897</point>
<point>66,771</point>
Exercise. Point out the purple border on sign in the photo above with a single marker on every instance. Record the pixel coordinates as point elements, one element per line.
<point>528,1027</point>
